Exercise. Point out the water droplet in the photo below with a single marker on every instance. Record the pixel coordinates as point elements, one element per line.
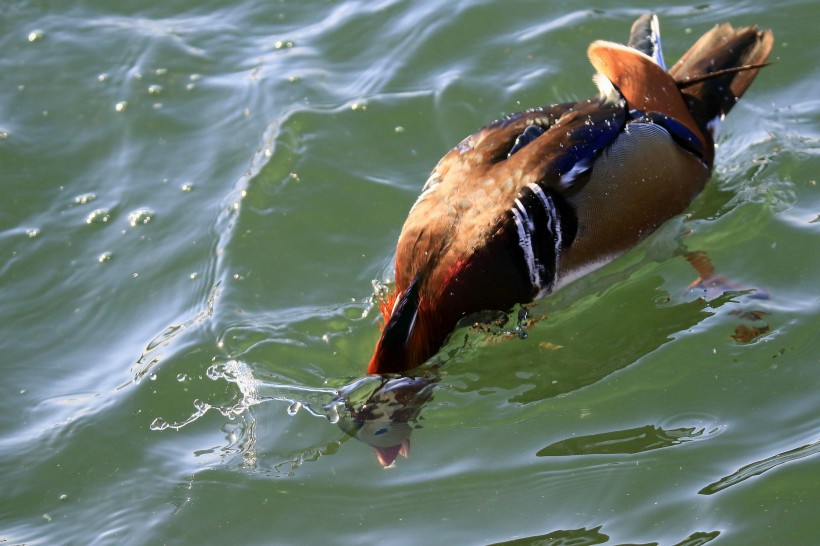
<point>332,413</point>
<point>294,408</point>
<point>140,217</point>
<point>98,216</point>
<point>84,199</point>
<point>158,424</point>
<point>35,35</point>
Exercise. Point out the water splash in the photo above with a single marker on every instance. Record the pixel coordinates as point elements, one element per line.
<point>319,402</point>
<point>152,355</point>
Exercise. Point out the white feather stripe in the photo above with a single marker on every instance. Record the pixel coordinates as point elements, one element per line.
<point>530,225</point>
<point>553,227</point>
<point>525,242</point>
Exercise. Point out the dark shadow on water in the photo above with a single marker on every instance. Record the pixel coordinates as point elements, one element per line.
<point>634,440</point>
<point>590,537</point>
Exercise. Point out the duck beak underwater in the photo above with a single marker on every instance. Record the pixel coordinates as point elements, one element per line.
<point>539,198</point>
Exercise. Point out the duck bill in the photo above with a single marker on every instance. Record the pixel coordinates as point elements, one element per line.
<point>388,455</point>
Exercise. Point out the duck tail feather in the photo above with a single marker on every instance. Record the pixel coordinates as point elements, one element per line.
<point>718,69</point>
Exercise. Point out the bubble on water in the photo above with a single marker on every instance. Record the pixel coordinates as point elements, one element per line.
<point>182,378</point>
<point>193,78</point>
<point>283,44</point>
<point>332,413</point>
<point>187,187</point>
<point>154,89</point>
<point>35,35</point>
<point>98,216</point>
<point>63,497</point>
<point>121,106</point>
<point>193,276</point>
<point>105,257</point>
<point>140,217</point>
<point>294,408</point>
<point>84,198</point>
<point>398,130</point>
<point>103,77</point>
<point>161,71</point>
<point>32,233</point>
<point>4,134</point>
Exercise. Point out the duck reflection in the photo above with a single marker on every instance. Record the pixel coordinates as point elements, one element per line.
<point>382,412</point>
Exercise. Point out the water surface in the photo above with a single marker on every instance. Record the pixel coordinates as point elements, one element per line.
<point>198,197</point>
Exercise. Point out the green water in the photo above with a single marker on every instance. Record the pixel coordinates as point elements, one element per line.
<point>197,197</point>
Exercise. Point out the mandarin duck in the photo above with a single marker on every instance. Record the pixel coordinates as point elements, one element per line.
<point>539,198</point>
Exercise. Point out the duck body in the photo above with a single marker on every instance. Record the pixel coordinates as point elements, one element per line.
<point>539,198</point>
